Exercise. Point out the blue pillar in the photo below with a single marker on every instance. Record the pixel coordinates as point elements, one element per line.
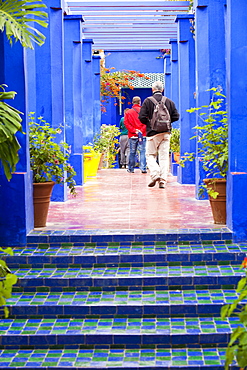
<point>96,94</point>
<point>50,78</point>
<point>87,92</point>
<point>167,72</point>
<point>174,76</point>
<point>16,201</point>
<point>186,81</point>
<point>237,105</point>
<point>73,94</point>
<point>210,57</point>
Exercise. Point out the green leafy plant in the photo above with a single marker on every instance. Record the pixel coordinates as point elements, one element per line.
<point>237,347</point>
<point>175,140</point>
<point>16,18</point>
<point>10,123</point>
<point>7,280</point>
<point>106,142</point>
<point>49,159</point>
<point>212,138</point>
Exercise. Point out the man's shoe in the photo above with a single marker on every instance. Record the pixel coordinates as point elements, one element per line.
<point>130,171</point>
<point>144,171</point>
<point>162,184</point>
<point>153,182</point>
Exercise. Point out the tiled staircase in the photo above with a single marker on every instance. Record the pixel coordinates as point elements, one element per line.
<point>121,300</point>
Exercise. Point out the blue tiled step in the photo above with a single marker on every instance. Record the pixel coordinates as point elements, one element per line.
<point>109,254</point>
<point>116,331</point>
<point>110,236</point>
<point>185,276</point>
<point>95,358</point>
<point>165,303</point>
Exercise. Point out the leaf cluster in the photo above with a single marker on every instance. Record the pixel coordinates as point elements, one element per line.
<point>17,17</point>
<point>49,158</point>
<point>212,137</point>
<point>237,346</point>
<point>10,123</point>
<point>7,280</point>
<point>106,142</point>
<point>111,83</point>
<point>175,140</point>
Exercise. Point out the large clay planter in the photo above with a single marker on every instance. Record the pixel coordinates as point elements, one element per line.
<point>41,201</point>
<point>218,205</point>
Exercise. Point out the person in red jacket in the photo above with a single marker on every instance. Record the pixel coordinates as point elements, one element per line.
<point>136,134</point>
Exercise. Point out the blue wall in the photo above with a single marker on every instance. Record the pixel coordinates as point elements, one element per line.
<point>144,61</point>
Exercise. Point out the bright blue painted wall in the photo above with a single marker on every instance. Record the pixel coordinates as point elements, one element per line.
<point>96,94</point>
<point>145,61</point>
<point>87,91</point>
<point>16,204</point>
<point>73,96</point>
<point>210,59</point>
<point>186,82</point>
<point>174,76</point>
<point>237,105</point>
<point>50,79</point>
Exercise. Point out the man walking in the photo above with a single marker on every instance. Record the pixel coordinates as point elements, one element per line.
<point>158,143</point>
<point>136,134</point>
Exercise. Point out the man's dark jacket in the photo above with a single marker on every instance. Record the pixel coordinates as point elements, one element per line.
<point>147,109</point>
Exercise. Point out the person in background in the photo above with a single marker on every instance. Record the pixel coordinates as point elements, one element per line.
<point>136,134</point>
<point>157,143</point>
<point>124,143</point>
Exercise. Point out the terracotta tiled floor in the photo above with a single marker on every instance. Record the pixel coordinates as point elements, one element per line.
<point>116,199</point>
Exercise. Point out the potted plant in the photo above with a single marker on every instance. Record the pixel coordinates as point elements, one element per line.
<point>175,144</point>
<point>237,346</point>
<point>106,142</point>
<point>212,137</point>
<point>49,163</point>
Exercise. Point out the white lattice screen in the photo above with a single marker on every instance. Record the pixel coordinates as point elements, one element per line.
<point>141,82</point>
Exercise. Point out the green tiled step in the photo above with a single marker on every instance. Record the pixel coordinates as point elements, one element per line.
<point>134,253</point>
<point>95,358</point>
<point>116,331</point>
<point>115,302</point>
<point>129,236</point>
<point>151,275</point>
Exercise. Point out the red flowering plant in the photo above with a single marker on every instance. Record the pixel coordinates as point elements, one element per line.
<point>237,347</point>
<point>48,158</point>
<point>111,83</point>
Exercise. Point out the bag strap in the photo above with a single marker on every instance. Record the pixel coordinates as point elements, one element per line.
<point>155,101</point>
<point>163,100</point>
<point>135,110</point>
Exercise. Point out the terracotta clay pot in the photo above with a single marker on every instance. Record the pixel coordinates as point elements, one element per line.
<point>41,201</point>
<point>176,156</point>
<point>218,205</point>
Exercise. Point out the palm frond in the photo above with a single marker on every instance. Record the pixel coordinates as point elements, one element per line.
<point>17,18</point>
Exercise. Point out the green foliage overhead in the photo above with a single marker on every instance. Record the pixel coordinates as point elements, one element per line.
<point>17,18</point>
<point>10,123</point>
